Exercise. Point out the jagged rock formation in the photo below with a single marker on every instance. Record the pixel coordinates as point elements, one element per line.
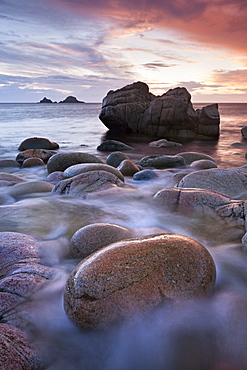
<point>171,115</point>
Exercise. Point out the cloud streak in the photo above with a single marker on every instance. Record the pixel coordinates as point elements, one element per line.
<point>95,46</point>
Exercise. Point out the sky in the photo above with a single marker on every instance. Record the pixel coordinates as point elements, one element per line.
<point>84,48</point>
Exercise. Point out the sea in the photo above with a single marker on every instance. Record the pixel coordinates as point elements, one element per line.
<point>77,127</point>
<point>206,334</point>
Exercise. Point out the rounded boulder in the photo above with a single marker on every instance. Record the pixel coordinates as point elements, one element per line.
<point>86,167</point>
<point>42,154</point>
<point>61,161</point>
<point>115,158</point>
<point>38,143</point>
<point>92,237</point>
<point>15,350</point>
<point>135,276</point>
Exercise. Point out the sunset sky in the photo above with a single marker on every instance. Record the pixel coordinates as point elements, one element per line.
<point>56,48</point>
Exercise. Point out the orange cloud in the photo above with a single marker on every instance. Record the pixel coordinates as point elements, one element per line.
<point>216,22</point>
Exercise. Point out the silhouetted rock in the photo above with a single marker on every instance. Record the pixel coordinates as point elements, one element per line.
<point>171,115</point>
<point>71,99</point>
<point>45,100</point>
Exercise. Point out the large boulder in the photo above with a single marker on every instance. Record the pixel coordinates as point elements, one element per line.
<point>209,214</point>
<point>169,116</point>
<point>122,109</point>
<point>88,182</point>
<point>135,276</point>
<point>230,182</point>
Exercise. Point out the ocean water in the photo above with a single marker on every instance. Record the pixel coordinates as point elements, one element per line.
<point>76,127</point>
<point>207,334</point>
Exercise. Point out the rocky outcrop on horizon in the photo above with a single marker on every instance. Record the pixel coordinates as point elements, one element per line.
<point>69,99</point>
<point>172,116</point>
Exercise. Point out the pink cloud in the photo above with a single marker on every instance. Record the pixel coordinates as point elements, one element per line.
<point>215,22</point>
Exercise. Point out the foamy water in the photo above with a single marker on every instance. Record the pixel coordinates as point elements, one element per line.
<point>209,333</point>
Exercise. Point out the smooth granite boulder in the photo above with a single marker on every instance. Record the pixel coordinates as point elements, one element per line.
<point>115,158</point>
<point>210,214</point>
<point>128,168</point>
<point>161,161</point>
<point>203,164</point>
<point>163,143</point>
<point>43,154</point>
<point>230,182</point>
<point>21,276</point>
<point>29,187</point>
<point>16,352</point>
<point>32,162</point>
<point>93,237</point>
<point>8,179</point>
<point>61,161</point>
<point>86,167</point>
<point>38,143</point>
<point>145,175</point>
<point>170,116</point>
<point>88,182</point>
<point>113,145</point>
<point>133,277</point>
<point>5,163</point>
<point>190,157</point>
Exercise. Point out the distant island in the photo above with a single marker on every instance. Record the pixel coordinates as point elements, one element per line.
<point>69,99</point>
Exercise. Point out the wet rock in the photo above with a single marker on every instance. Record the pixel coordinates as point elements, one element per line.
<point>112,145</point>
<point>190,157</point>
<point>114,159</point>
<point>38,143</point>
<point>30,187</point>
<point>21,276</point>
<point>238,144</point>
<point>244,132</point>
<point>93,237</point>
<point>227,181</point>
<point>88,182</point>
<point>133,277</point>
<point>163,143</point>
<point>8,163</point>
<point>17,247</point>
<point>170,116</point>
<point>135,97</point>
<point>128,168</point>
<point>32,162</point>
<point>55,177</point>
<point>61,161</point>
<point>16,351</point>
<point>145,175</point>
<point>211,215</point>
<point>161,161</point>
<point>203,164</point>
<point>42,154</point>
<point>9,179</point>
<point>86,167</point>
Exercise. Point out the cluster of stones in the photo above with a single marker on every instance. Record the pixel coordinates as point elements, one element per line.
<point>119,273</point>
<point>172,116</point>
